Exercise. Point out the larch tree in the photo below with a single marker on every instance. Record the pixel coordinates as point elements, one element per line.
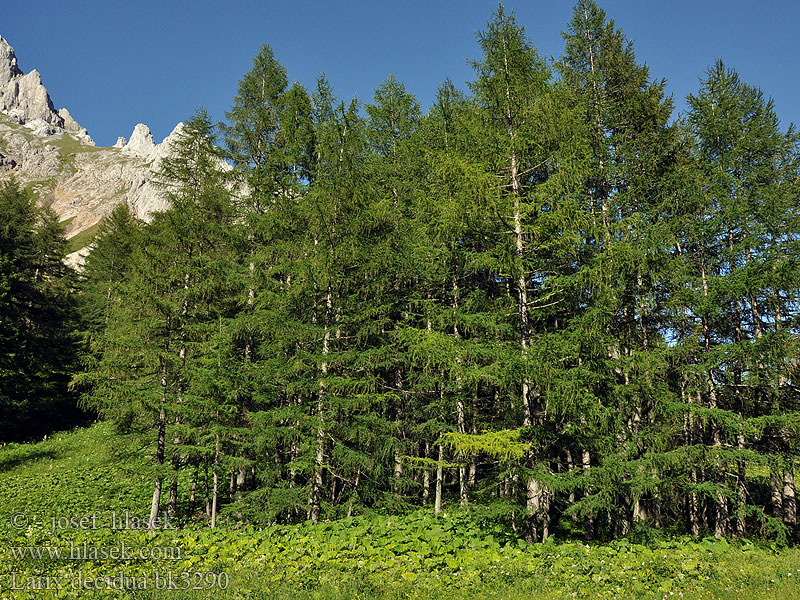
<point>393,174</point>
<point>743,249</point>
<point>628,194</point>
<point>144,378</point>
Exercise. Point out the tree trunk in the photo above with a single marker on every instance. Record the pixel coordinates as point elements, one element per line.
<point>720,502</point>
<point>741,490</point>
<point>536,493</point>
<point>160,446</point>
<point>207,490</point>
<point>159,462</point>
<point>721,505</point>
<point>437,504</point>
<point>193,492</point>
<point>586,463</point>
<point>216,486</point>
<point>316,488</point>
<point>241,481</point>
<point>571,471</point>
<point>398,455</point>
<point>694,507</point>
<point>462,468</point>
<point>461,420</point>
<point>776,490</point>
<point>789,499</point>
<point>639,513</point>
<point>426,476</point>
<point>172,505</point>
<point>355,493</point>
<point>473,458</point>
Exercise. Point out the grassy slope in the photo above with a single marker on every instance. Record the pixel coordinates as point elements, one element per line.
<point>70,473</point>
<point>82,239</point>
<point>67,147</point>
<point>414,556</point>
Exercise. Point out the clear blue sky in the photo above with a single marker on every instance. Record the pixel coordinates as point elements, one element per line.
<point>115,63</point>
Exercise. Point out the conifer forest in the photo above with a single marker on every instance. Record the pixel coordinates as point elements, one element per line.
<point>549,295</point>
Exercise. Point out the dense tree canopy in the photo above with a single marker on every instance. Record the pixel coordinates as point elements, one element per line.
<point>546,297</point>
<point>38,319</point>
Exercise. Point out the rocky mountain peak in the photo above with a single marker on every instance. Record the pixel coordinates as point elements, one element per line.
<point>8,62</point>
<point>165,148</point>
<point>50,152</point>
<point>25,100</point>
<point>141,143</point>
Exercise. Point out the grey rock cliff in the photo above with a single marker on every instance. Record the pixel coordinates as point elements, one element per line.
<point>141,143</point>
<point>51,153</point>
<point>8,62</point>
<point>23,96</point>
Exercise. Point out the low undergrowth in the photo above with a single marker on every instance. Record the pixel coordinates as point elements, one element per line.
<point>65,533</point>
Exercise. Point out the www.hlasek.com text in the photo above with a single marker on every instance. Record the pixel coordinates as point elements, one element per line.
<point>86,551</point>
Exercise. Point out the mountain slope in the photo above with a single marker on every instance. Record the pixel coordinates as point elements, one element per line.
<point>49,152</point>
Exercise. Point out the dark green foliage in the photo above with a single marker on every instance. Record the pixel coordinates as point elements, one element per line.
<point>543,297</point>
<point>37,319</point>
<point>166,293</point>
<point>740,249</point>
<point>632,153</point>
<point>107,266</point>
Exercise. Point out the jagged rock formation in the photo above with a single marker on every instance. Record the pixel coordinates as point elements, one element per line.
<point>51,153</point>
<point>25,100</point>
<point>141,143</point>
<point>72,126</point>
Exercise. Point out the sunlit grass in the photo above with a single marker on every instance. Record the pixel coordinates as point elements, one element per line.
<point>82,239</point>
<point>420,556</point>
